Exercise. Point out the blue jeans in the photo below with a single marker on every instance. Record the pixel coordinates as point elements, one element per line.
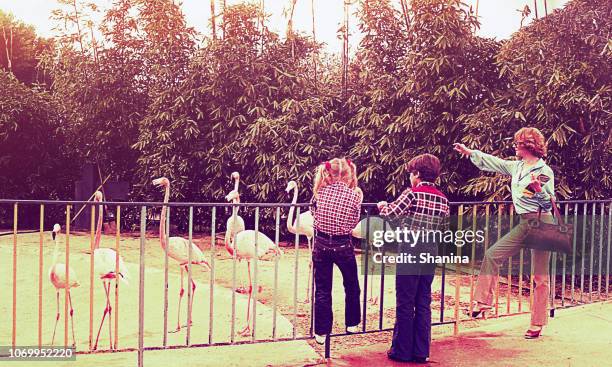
<point>412,331</point>
<point>325,254</point>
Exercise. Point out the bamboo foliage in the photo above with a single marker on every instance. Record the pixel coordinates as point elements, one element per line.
<point>138,93</point>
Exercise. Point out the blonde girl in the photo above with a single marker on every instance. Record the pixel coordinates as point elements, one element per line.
<point>336,205</point>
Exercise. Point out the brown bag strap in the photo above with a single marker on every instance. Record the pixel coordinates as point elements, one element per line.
<point>556,211</point>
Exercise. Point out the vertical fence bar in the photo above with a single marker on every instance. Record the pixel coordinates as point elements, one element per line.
<point>564,266</point>
<point>91,272</point>
<point>592,250</point>
<point>473,258</point>
<point>276,258</point>
<point>366,266</point>
<point>189,278</point>
<point>458,276</point>
<point>609,243</point>
<point>117,239</point>
<point>67,289</point>
<point>499,232</point>
<point>553,282</point>
<point>601,227</point>
<point>443,286</point>
<point>531,279</point>
<point>40,273</point>
<point>582,266</point>
<point>508,292</point>
<point>255,287</point>
<point>141,285</point>
<point>520,280</point>
<point>15,217</point>
<point>381,307</point>
<point>575,225</point>
<point>296,270</point>
<point>166,235</point>
<point>234,259</point>
<point>486,234</point>
<point>213,248</point>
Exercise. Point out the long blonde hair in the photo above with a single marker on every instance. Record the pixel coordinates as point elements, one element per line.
<point>335,170</point>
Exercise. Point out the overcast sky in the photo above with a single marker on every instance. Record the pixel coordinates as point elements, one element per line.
<point>499,18</point>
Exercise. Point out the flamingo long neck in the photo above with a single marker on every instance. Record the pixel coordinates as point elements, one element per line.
<point>162,219</point>
<point>230,232</point>
<point>228,244</point>
<point>99,227</point>
<point>55,250</point>
<point>235,201</point>
<point>290,225</point>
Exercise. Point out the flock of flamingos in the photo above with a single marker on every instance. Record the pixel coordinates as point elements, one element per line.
<point>239,242</point>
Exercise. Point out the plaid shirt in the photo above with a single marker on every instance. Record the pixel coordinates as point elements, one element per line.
<point>423,207</point>
<point>336,209</point>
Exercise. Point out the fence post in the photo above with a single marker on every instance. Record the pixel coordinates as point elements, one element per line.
<point>143,224</point>
<point>67,289</point>
<point>15,217</point>
<point>40,273</point>
<point>458,277</point>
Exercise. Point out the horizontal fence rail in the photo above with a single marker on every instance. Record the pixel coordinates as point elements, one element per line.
<point>127,288</point>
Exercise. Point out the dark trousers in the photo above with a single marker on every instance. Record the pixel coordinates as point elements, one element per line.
<point>325,254</point>
<point>412,331</point>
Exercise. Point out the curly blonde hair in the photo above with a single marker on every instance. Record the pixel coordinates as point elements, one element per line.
<point>531,139</point>
<point>335,170</point>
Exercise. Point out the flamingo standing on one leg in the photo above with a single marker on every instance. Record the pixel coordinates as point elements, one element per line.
<point>235,223</point>
<point>306,228</point>
<point>57,276</point>
<point>105,265</point>
<point>243,243</point>
<point>178,249</point>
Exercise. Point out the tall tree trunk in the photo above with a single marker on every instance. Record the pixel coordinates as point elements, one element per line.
<point>405,13</point>
<point>213,22</point>
<point>314,39</point>
<point>8,48</point>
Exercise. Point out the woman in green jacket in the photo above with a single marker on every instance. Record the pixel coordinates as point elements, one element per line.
<point>532,189</point>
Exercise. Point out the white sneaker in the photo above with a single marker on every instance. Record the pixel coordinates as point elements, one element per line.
<point>353,329</point>
<point>320,339</point>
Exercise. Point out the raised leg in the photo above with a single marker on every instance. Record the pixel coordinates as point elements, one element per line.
<point>193,289</point>
<point>181,293</point>
<point>247,329</point>
<point>110,316</point>
<point>242,289</point>
<point>71,318</point>
<point>307,300</point>
<point>373,299</point>
<point>57,316</point>
<point>107,309</point>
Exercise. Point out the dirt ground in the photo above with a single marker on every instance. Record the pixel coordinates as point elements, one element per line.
<point>292,318</point>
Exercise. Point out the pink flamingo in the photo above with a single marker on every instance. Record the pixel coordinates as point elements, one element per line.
<point>235,223</point>
<point>243,243</point>
<point>57,276</point>
<point>178,249</point>
<point>105,265</point>
<point>306,228</point>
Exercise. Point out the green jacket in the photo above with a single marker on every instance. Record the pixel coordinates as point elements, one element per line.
<point>524,201</point>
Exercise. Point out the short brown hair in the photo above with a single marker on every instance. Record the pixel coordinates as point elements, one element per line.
<point>427,165</point>
<point>532,139</point>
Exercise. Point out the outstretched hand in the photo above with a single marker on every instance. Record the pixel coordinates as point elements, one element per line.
<point>462,149</point>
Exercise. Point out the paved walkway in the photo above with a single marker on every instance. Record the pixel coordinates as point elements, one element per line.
<point>579,336</point>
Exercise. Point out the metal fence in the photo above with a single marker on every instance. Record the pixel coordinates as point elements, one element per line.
<point>580,277</point>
